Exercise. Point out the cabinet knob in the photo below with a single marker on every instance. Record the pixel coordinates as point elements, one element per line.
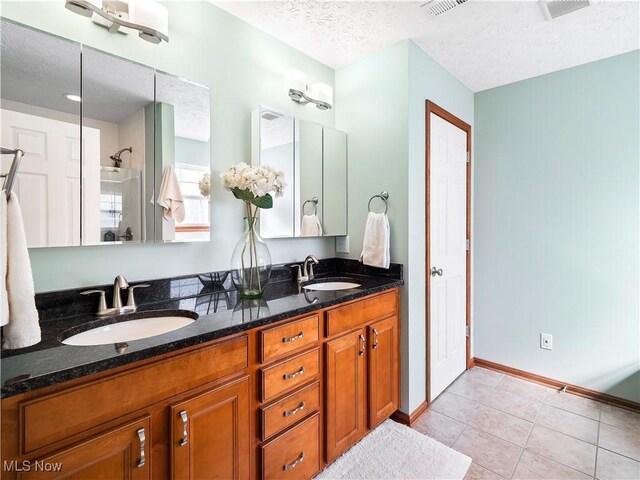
<point>294,411</point>
<point>143,442</point>
<point>185,434</point>
<point>289,376</point>
<point>294,338</point>
<point>294,464</point>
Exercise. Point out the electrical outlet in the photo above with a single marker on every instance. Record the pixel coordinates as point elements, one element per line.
<point>342,244</point>
<point>546,341</point>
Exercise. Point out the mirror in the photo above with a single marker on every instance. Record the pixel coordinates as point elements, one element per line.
<point>276,147</point>
<point>117,119</point>
<point>183,125</point>
<point>40,74</point>
<point>136,123</point>
<point>314,160</point>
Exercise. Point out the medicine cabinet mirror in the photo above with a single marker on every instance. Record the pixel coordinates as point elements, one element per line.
<point>314,160</point>
<point>133,123</point>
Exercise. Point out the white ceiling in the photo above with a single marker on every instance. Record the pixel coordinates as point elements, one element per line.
<point>484,44</point>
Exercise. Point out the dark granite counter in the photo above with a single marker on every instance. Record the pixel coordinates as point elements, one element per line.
<point>221,313</point>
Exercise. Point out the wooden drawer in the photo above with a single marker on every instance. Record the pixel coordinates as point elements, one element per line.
<point>343,319</point>
<point>288,338</point>
<point>288,374</point>
<point>50,418</point>
<point>295,454</point>
<point>278,416</point>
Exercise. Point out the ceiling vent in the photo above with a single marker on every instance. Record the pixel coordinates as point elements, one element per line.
<point>438,7</point>
<point>270,115</point>
<point>556,8</point>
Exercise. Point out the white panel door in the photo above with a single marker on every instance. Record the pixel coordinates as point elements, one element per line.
<point>448,218</point>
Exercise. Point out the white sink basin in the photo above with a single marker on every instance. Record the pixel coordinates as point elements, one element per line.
<point>331,286</point>
<point>128,331</point>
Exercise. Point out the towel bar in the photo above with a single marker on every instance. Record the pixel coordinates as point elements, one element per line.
<point>384,196</point>
<point>313,201</point>
<point>13,171</point>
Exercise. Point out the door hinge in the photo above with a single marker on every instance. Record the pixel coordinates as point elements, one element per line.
<point>468,244</point>
<point>468,157</point>
<point>468,331</point>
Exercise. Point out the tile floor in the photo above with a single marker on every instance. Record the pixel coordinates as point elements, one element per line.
<point>516,429</point>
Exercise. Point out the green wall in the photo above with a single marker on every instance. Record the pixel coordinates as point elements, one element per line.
<point>244,68</point>
<point>556,225</point>
<point>380,102</point>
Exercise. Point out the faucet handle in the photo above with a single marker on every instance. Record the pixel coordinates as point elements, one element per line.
<point>294,265</point>
<point>131,302</point>
<point>102,304</point>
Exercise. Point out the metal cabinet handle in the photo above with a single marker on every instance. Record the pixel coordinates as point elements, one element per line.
<point>143,443</point>
<point>289,376</point>
<point>375,339</point>
<point>185,434</point>
<point>293,339</point>
<point>295,410</point>
<point>436,271</point>
<point>363,345</point>
<point>294,464</point>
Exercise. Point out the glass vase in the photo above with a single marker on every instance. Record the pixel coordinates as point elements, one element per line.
<point>250,262</point>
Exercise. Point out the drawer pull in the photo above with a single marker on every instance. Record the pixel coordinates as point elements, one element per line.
<point>185,434</point>
<point>294,411</point>
<point>294,464</point>
<point>294,338</point>
<point>375,339</point>
<point>143,443</point>
<point>363,345</point>
<point>289,376</point>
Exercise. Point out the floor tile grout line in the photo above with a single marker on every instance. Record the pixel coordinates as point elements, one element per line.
<point>595,465</point>
<point>618,453</point>
<point>533,424</point>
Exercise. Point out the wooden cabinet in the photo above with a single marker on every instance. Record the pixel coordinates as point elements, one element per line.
<point>119,453</point>
<point>345,389</point>
<point>210,434</point>
<point>280,401</point>
<point>383,369</point>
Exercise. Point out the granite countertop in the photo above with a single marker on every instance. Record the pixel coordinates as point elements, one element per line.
<point>221,313</point>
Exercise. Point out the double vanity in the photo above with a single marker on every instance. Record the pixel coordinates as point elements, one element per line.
<point>271,388</point>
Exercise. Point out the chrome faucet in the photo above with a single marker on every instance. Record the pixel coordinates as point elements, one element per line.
<point>307,268</point>
<point>305,271</point>
<point>118,284</point>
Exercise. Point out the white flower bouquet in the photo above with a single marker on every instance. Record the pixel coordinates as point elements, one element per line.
<point>251,260</point>
<point>205,185</point>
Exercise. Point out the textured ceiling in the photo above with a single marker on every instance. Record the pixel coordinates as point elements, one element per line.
<point>38,69</point>
<point>484,44</point>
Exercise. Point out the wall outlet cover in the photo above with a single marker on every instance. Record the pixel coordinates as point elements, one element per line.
<point>342,244</point>
<point>546,341</point>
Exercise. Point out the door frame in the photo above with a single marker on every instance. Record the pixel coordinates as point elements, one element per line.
<point>445,115</point>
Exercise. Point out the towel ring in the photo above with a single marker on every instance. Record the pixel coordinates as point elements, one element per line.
<point>314,201</point>
<point>384,196</point>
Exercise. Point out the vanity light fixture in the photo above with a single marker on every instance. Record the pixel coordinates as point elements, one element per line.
<point>73,97</point>
<point>320,94</point>
<point>147,16</point>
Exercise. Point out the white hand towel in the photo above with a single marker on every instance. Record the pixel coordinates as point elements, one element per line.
<point>23,329</point>
<point>310,226</point>
<point>4,296</point>
<point>170,196</point>
<point>376,243</point>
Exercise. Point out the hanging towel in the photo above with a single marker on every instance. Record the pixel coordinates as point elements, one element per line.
<point>311,226</point>
<point>4,296</point>
<point>23,327</point>
<point>170,196</point>
<point>375,246</point>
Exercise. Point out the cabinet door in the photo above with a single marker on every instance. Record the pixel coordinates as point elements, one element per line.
<point>345,392</point>
<point>119,453</point>
<point>383,353</point>
<point>210,434</point>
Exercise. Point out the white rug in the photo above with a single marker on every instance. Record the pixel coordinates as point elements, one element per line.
<point>394,451</point>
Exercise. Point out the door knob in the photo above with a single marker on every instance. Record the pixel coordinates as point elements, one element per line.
<point>436,271</point>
